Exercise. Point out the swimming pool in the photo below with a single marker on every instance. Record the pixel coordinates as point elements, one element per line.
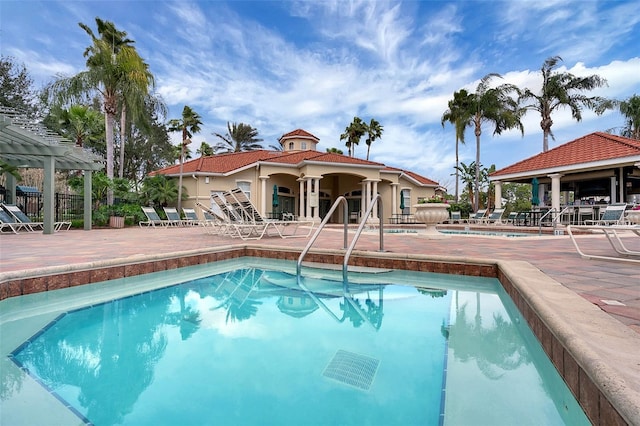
<point>264,351</point>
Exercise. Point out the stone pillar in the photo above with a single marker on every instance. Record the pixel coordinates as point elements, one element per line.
<point>394,195</point>
<point>263,195</point>
<point>316,210</point>
<point>613,198</point>
<point>309,190</point>
<point>497,185</point>
<point>87,200</point>
<point>555,191</point>
<point>301,213</point>
<point>49,192</point>
<point>374,193</point>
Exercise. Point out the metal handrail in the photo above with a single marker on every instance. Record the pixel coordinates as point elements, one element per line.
<point>343,200</point>
<point>550,211</point>
<point>374,201</point>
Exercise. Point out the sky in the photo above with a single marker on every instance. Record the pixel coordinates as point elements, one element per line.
<point>315,65</point>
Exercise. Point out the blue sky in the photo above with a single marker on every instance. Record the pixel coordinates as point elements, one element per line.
<point>315,65</point>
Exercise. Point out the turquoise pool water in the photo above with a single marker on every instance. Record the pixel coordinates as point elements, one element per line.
<point>241,343</point>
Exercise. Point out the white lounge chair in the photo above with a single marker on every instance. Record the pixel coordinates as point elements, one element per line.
<point>613,215</point>
<point>477,217</point>
<point>495,218</point>
<point>20,217</point>
<point>153,219</point>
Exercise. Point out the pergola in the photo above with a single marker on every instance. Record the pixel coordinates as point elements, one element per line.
<point>25,143</point>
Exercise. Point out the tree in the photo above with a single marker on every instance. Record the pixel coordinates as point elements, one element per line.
<point>374,131</point>
<point>188,125</point>
<point>562,90</point>
<point>492,105</point>
<point>79,123</point>
<point>334,151</point>
<point>113,68</point>
<point>205,150</point>
<point>631,110</point>
<point>159,191</point>
<point>16,87</point>
<point>459,116</point>
<point>353,133</point>
<point>467,174</point>
<point>240,137</point>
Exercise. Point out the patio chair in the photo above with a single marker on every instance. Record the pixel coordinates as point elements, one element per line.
<point>495,218</point>
<point>477,217</point>
<point>191,218</point>
<point>512,218</point>
<point>8,222</point>
<point>585,212</point>
<point>613,215</point>
<point>456,217</point>
<point>20,217</point>
<point>214,223</point>
<point>173,217</point>
<point>153,219</point>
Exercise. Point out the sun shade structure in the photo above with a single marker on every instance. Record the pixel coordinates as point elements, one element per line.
<point>27,143</point>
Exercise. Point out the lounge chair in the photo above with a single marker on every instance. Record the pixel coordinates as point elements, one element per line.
<point>477,217</point>
<point>512,218</point>
<point>585,212</point>
<point>613,215</point>
<point>20,217</point>
<point>612,233</point>
<point>8,222</point>
<point>456,217</point>
<point>191,218</point>
<point>495,218</point>
<point>214,223</point>
<point>173,217</point>
<point>153,219</point>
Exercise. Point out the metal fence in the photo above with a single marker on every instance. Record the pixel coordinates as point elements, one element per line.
<point>67,206</point>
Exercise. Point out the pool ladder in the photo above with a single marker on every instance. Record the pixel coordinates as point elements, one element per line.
<point>345,215</point>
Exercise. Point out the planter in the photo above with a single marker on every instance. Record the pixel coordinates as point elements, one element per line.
<point>633,216</point>
<point>116,222</point>
<point>431,214</point>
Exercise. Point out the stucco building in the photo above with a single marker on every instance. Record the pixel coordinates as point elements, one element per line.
<point>303,180</point>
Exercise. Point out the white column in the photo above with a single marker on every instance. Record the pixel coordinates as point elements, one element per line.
<point>263,195</point>
<point>497,185</point>
<point>301,213</point>
<point>394,195</point>
<point>612,190</point>
<point>316,210</point>
<point>363,199</point>
<point>309,181</point>
<point>555,191</point>
<point>621,186</point>
<point>87,200</point>
<point>374,193</point>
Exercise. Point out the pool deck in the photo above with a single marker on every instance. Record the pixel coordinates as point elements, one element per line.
<point>611,286</point>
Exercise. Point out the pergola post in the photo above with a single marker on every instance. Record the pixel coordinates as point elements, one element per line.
<point>49,191</point>
<point>88,175</point>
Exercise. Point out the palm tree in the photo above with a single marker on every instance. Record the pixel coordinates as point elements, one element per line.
<point>79,123</point>
<point>492,105</point>
<point>205,150</point>
<point>189,124</point>
<point>562,90</point>
<point>334,151</point>
<point>353,133</point>
<point>113,65</point>
<point>458,115</point>
<point>467,175</point>
<point>631,110</point>
<point>374,131</point>
<point>240,137</point>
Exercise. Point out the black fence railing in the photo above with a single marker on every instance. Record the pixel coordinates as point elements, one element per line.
<point>67,206</point>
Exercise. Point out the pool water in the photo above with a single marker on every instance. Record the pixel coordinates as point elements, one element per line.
<point>248,345</point>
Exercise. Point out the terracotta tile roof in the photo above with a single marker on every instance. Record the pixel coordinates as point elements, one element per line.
<point>227,163</point>
<point>593,147</point>
<point>299,133</point>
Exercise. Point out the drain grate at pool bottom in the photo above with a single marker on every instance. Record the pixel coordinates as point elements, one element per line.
<point>352,369</point>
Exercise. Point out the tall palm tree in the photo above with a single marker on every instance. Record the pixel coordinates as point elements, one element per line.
<point>353,133</point>
<point>334,151</point>
<point>458,114</point>
<point>374,131</point>
<point>562,90</point>
<point>493,105</point>
<point>188,124</point>
<point>112,64</point>
<point>631,110</point>
<point>240,137</point>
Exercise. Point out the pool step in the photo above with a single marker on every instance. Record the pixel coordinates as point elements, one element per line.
<point>336,267</point>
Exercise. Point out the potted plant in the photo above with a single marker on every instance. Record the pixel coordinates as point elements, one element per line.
<point>431,211</point>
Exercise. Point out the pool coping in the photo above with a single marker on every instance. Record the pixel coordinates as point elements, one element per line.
<point>604,379</point>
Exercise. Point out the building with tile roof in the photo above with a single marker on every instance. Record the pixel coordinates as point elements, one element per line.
<point>597,166</point>
<point>303,181</point>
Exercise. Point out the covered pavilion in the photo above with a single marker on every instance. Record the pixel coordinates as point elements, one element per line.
<point>26,143</point>
<point>598,167</point>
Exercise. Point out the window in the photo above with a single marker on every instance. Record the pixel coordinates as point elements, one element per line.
<point>246,188</point>
<point>290,145</point>
<point>304,145</point>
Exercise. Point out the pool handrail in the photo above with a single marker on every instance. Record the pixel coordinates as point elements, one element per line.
<point>345,217</point>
